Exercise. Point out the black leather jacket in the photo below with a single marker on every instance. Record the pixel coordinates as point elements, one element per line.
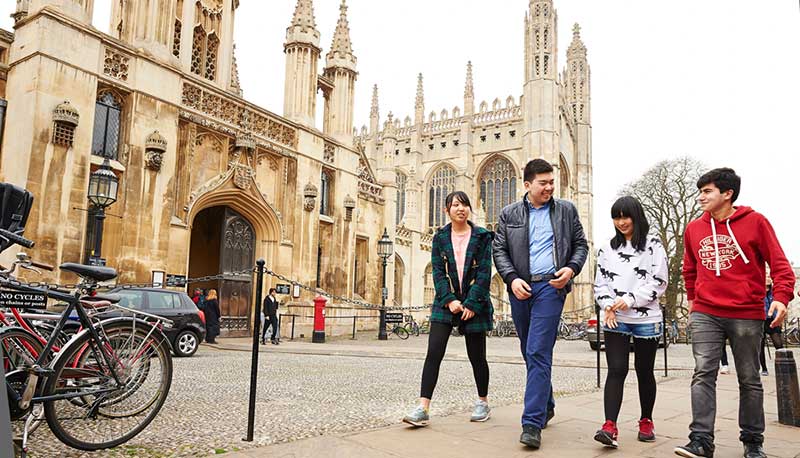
<point>510,248</point>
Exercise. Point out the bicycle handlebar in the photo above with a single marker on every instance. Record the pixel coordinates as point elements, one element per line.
<point>18,239</point>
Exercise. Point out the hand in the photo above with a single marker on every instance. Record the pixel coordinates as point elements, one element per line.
<point>455,307</point>
<point>610,319</point>
<point>521,289</point>
<point>562,277</point>
<point>778,310</point>
<point>467,314</point>
<point>619,304</point>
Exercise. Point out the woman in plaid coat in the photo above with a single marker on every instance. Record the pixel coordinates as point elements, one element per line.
<point>461,257</point>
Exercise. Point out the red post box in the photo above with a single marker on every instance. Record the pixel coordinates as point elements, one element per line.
<point>319,320</point>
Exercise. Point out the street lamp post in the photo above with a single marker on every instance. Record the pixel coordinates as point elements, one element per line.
<point>384,251</point>
<point>103,187</point>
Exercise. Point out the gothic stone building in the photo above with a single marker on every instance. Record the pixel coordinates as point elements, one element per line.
<point>210,182</point>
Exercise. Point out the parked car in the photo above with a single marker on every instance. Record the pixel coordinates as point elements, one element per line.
<point>592,329</point>
<point>188,328</point>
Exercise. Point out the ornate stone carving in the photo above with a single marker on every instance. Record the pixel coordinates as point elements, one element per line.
<point>309,197</point>
<point>116,64</point>
<point>243,176</point>
<point>155,146</point>
<point>349,205</point>
<point>329,153</point>
<point>64,112</point>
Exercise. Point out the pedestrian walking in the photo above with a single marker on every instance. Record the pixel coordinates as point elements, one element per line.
<point>461,258</point>
<point>271,318</point>
<point>775,333</point>
<point>631,275</point>
<point>724,268</point>
<point>538,248</point>
<point>212,316</point>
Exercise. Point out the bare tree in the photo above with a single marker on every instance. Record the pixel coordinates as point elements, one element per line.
<point>668,193</point>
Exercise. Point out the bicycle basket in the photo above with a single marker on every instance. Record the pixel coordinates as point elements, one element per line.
<point>15,205</point>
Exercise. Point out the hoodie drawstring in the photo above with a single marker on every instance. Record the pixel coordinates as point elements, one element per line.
<point>716,244</point>
<point>735,242</point>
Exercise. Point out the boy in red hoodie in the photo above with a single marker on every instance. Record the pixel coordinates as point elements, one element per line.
<point>726,250</point>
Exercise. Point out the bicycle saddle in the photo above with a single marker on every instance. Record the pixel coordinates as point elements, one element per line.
<point>113,298</point>
<point>98,273</point>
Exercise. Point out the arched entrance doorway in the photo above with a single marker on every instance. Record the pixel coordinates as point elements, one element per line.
<point>223,241</point>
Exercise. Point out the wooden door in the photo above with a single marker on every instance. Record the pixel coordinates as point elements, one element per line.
<point>236,254</point>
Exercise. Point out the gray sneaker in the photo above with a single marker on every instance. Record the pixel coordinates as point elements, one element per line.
<point>481,412</point>
<point>417,417</point>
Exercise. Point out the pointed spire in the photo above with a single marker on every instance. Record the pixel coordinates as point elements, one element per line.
<point>576,49</point>
<point>469,90</point>
<point>373,112</point>
<point>341,53</point>
<point>303,28</point>
<point>304,14</point>
<point>420,101</point>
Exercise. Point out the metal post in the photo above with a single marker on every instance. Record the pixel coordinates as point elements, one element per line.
<point>6,446</point>
<point>787,388</point>
<point>251,411</point>
<point>99,217</point>
<point>292,336</point>
<point>664,333</point>
<point>599,328</point>
<point>354,327</point>
<point>382,327</point>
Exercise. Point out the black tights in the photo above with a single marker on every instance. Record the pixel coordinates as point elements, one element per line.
<point>617,356</point>
<point>437,344</point>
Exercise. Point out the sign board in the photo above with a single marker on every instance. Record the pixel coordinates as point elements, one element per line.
<point>394,317</point>
<point>282,288</point>
<point>296,291</point>
<point>176,280</point>
<point>22,300</point>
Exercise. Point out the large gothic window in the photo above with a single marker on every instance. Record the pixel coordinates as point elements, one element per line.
<point>430,291</point>
<point>107,125</point>
<point>401,197</point>
<point>498,184</point>
<point>442,183</point>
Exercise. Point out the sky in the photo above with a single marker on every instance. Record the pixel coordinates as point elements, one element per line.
<point>714,79</point>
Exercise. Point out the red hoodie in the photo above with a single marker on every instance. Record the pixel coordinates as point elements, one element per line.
<point>727,278</point>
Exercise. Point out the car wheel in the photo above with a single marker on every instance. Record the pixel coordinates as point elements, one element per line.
<point>186,344</point>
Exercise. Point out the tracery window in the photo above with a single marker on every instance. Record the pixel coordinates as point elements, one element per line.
<point>442,183</point>
<point>205,47</point>
<point>107,125</point>
<point>401,197</point>
<point>498,186</point>
<point>198,43</point>
<point>326,182</point>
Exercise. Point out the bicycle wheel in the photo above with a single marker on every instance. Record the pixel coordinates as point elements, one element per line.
<point>401,332</point>
<point>415,331</point>
<point>101,412</point>
<point>20,349</point>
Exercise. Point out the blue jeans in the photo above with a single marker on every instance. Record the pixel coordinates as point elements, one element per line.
<point>536,320</point>
<point>638,330</point>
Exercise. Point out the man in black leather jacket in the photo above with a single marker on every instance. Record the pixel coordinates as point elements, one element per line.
<point>539,247</point>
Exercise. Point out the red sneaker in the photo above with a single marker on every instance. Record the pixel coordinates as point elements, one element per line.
<point>646,428</point>
<point>607,435</point>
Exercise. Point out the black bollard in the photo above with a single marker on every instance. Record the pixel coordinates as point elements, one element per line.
<point>664,334</point>
<point>787,388</point>
<point>251,411</point>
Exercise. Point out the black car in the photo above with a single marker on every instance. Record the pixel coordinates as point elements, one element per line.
<point>188,328</point>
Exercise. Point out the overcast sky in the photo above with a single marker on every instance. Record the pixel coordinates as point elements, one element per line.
<point>714,79</point>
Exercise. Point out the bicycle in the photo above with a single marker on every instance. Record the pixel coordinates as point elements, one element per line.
<point>106,384</point>
<point>791,333</point>
<point>397,329</point>
<point>411,326</point>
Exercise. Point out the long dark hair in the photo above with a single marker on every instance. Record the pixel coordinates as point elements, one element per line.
<point>630,207</point>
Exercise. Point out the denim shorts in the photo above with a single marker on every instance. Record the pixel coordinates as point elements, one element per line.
<point>638,330</point>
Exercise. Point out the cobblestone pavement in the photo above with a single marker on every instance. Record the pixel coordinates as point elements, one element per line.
<point>305,395</point>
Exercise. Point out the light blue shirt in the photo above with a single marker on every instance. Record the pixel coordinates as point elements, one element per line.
<point>540,239</point>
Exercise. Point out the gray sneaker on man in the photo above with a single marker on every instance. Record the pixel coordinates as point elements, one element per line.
<point>417,417</point>
<point>481,412</point>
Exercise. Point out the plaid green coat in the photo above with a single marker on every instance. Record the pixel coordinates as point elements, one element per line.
<point>474,292</point>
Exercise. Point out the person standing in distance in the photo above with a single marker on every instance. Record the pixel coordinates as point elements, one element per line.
<point>539,247</point>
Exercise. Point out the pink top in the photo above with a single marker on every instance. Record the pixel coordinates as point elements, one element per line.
<point>460,243</point>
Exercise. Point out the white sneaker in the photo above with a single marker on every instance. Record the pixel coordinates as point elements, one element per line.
<point>724,370</point>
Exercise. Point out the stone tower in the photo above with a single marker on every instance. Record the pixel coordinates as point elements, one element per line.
<point>302,53</point>
<point>340,69</point>
<point>81,10</point>
<point>540,135</point>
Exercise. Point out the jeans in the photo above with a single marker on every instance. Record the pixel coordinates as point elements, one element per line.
<point>638,330</point>
<point>536,320</point>
<point>708,339</point>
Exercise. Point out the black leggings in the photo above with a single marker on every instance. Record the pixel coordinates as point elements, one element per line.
<point>437,344</point>
<point>617,356</point>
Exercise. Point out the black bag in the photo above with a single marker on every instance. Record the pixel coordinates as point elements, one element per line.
<point>15,206</point>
